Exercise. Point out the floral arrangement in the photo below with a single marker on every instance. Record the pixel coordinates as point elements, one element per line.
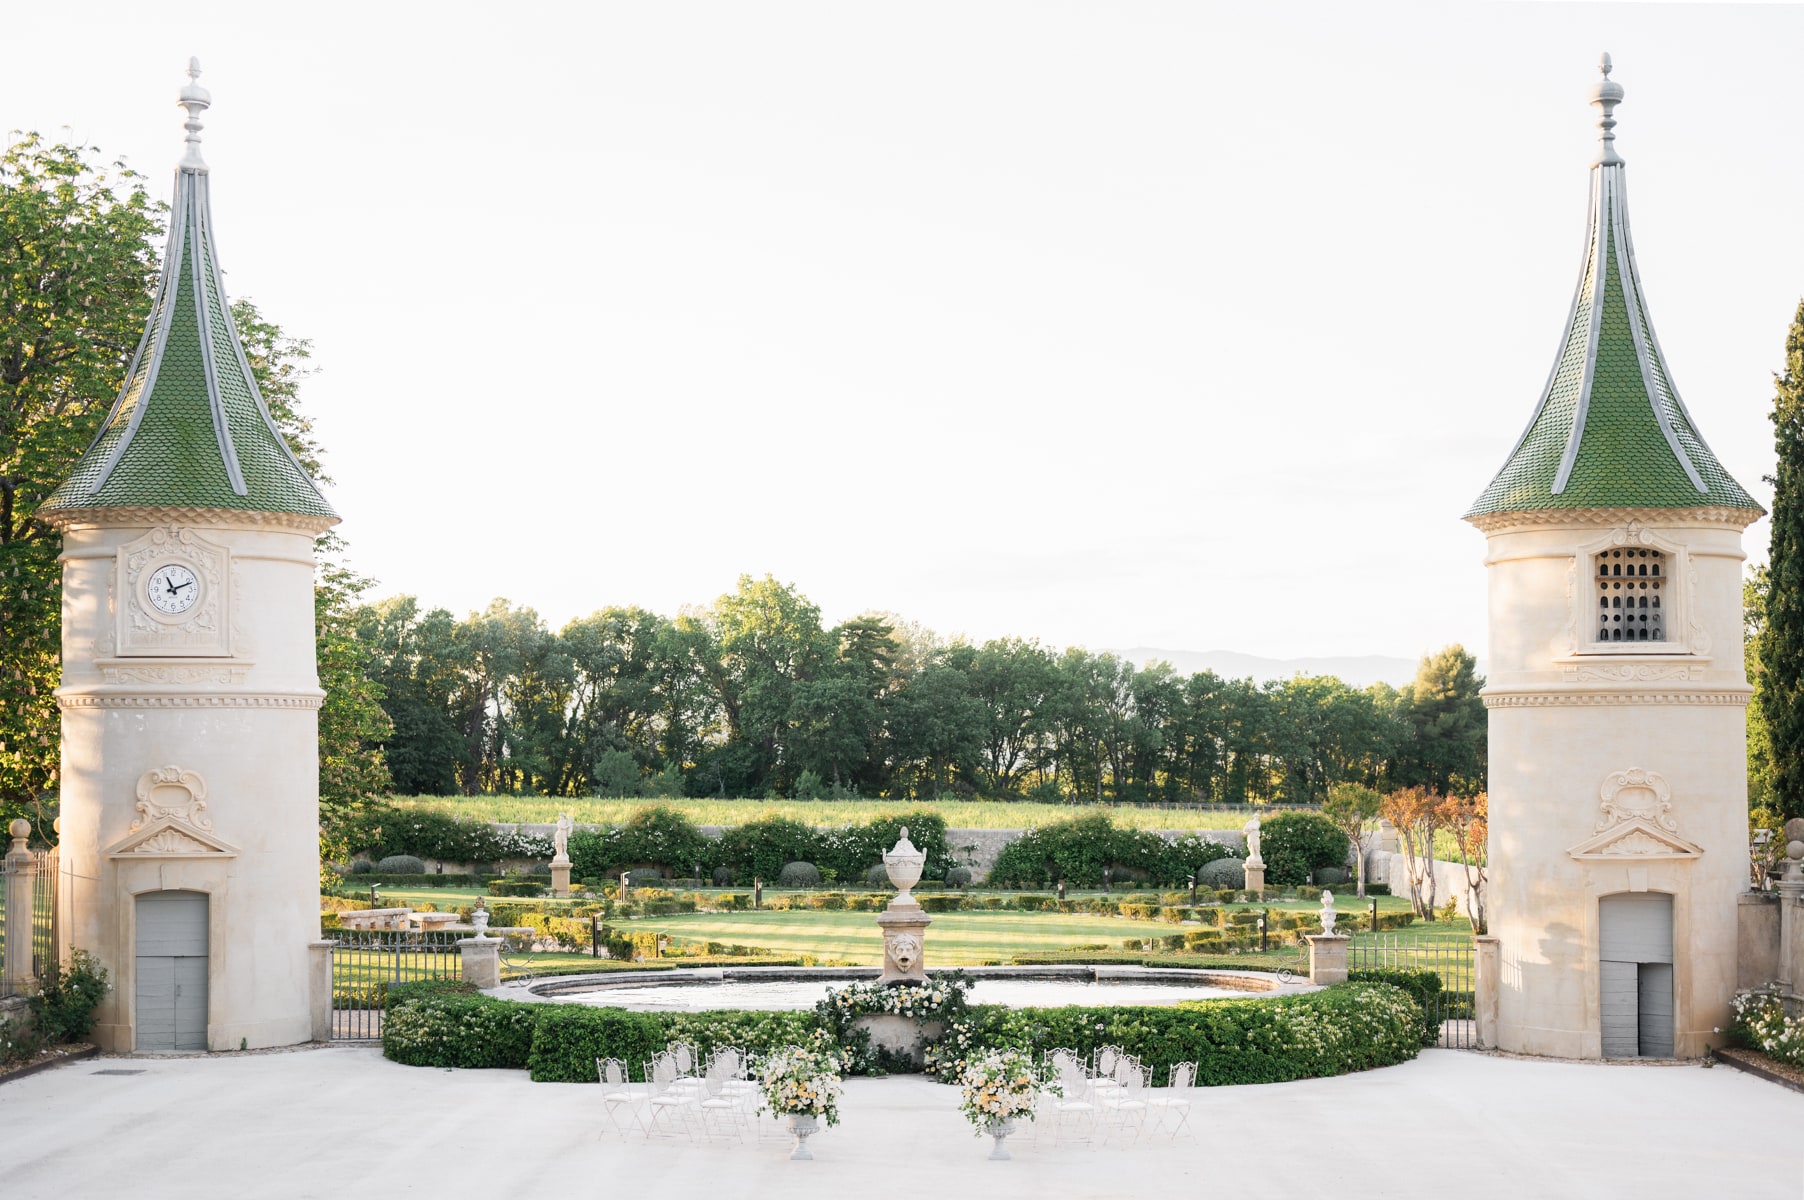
<point>941,999</point>
<point>801,1081</point>
<point>1761,1022</point>
<point>999,1086</point>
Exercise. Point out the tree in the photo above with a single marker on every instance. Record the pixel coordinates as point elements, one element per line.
<point>1781,676</point>
<point>77,265</point>
<point>1467,818</point>
<point>1416,812</point>
<point>1352,808</point>
<point>1444,746</point>
<point>352,722</point>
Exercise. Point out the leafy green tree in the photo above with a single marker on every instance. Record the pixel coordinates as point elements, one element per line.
<point>417,661</point>
<point>353,725</point>
<point>77,262</point>
<point>1014,681</point>
<point>1443,748</point>
<point>1782,646</point>
<point>1760,737</point>
<point>1296,844</point>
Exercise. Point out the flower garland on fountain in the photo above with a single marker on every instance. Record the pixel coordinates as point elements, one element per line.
<point>997,1088</point>
<point>941,999</point>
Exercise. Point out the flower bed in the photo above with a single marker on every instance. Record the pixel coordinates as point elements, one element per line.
<point>1761,1023</point>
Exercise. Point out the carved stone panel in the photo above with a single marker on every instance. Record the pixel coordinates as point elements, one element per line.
<point>1634,821</point>
<point>172,596</point>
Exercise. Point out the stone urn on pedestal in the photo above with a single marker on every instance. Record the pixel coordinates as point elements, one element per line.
<point>904,922</point>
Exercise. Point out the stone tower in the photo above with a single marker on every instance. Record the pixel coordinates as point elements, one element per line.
<point>1618,785</point>
<point>190,700</point>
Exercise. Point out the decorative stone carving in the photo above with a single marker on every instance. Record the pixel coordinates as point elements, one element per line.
<point>1540,699</point>
<point>174,674</point>
<point>1634,821</point>
<point>1252,831</point>
<point>201,630</point>
<point>904,951</point>
<point>904,922</point>
<point>174,793</point>
<point>1328,914</point>
<point>1632,673</point>
<point>904,865</point>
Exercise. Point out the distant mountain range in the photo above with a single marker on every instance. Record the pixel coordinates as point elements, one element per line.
<point>1359,671</point>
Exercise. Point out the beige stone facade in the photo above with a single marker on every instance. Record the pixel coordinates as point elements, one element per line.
<point>1615,769</point>
<point>194,768</point>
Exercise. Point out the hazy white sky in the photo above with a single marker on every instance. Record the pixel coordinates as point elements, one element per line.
<point>1121,324</point>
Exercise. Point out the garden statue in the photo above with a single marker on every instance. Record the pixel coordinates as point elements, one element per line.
<point>1252,832</point>
<point>479,917</point>
<point>904,924</point>
<point>757,892</point>
<point>626,884</point>
<point>560,839</point>
<point>1328,913</point>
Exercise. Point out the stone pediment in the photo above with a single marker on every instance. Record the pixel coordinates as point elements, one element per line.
<point>1634,838</point>
<point>170,837</point>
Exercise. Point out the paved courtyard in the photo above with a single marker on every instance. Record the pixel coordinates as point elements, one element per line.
<point>343,1122</point>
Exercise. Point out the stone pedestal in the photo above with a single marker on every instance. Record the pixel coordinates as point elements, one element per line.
<point>901,1036</point>
<point>1487,972</point>
<point>1256,878</point>
<point>560,877</point>
<point>1328,958</point>
<point>319,988</point>
<point>482,961</point>
<point>904,939</point>
<point>21,872</point>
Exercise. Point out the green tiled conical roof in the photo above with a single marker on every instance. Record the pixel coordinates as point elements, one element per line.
<point>189,428</point>
<point>1610,430</point>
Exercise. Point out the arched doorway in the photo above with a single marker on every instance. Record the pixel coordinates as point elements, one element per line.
<point>1635,974</point>
<point>170,1012</point>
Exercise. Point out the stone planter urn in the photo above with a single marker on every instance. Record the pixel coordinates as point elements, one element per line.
<point>999,1128</point>
<point>904,865</point>
<point>802,1126</point>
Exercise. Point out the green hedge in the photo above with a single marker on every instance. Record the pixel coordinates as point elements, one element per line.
<point>1424,987</point>
<point>362,881</point>
<point>1294,843</point>
<point>1081,850</point>
<point>1352,1027</point>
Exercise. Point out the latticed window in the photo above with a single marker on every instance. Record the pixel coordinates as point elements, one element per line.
<point>1631,596</point>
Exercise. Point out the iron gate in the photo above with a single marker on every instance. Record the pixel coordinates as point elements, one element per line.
<point>1450,958</point>
<point>367,962</point>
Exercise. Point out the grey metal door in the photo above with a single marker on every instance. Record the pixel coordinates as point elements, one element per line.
<point>1635,974</point>
<point>171,992</point>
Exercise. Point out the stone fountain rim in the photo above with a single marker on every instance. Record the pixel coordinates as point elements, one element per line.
<point>1256,983</point>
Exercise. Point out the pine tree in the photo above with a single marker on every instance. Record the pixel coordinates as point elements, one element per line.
<point>1782,648</point>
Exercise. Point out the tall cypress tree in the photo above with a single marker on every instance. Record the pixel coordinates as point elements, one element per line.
<point>1782,649</point>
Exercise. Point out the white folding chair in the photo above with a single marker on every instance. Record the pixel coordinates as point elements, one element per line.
<point>669,1110</point>
<point>1071,1116</point>
<point>617,1093</point>
<point>1124,1108</point>
<point>1173,1100</point>
<point>719,1113</point>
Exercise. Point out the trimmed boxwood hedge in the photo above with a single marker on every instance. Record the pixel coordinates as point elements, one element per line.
<point>1351,1027</point>
<point>1424,987</point>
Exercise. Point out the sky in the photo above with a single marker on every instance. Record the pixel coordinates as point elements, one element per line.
<point>1176,325</point>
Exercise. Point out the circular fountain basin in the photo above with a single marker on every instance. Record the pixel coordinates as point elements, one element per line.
<point>791,989</point>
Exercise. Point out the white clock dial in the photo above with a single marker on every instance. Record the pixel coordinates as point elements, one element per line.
<point>172,589</point>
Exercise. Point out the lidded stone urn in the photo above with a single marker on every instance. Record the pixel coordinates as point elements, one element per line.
<point>904,923</point>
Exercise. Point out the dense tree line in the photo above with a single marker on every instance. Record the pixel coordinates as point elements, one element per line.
<point>754,696</point>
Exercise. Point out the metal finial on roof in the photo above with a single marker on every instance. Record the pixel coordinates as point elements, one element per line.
<point>1607,95</point>
<point>196,99</point>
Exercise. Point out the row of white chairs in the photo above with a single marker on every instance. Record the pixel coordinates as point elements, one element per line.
<point>680,1097</point>
<point>1107,1098</point>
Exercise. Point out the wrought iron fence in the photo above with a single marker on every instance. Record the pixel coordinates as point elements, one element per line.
<point>44,913</point>
<point>367,962</point>
<point>1451,958</point>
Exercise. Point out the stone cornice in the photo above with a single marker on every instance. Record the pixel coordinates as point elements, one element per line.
<point>137,699</point>
<point>1577,697</point>
<point>214,518</point>
<point>1589,518</point>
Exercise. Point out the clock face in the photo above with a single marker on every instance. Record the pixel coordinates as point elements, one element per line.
<point>172,589</point>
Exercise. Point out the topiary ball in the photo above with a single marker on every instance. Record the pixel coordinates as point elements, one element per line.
<point>401,864</point>
<point>1227,874</point>
<point>723,876</point>
<point>877,876</point>
<point>799,875</point>
<point>362,866</point>
<point>1330,876</point>
<point>958,877</point>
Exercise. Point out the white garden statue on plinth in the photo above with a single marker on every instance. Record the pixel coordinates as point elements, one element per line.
<point>560,857</point>
<point>1328,913</point>
<point>1255,865</point>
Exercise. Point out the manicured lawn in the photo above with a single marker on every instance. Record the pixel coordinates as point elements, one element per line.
<point>965,814</point>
